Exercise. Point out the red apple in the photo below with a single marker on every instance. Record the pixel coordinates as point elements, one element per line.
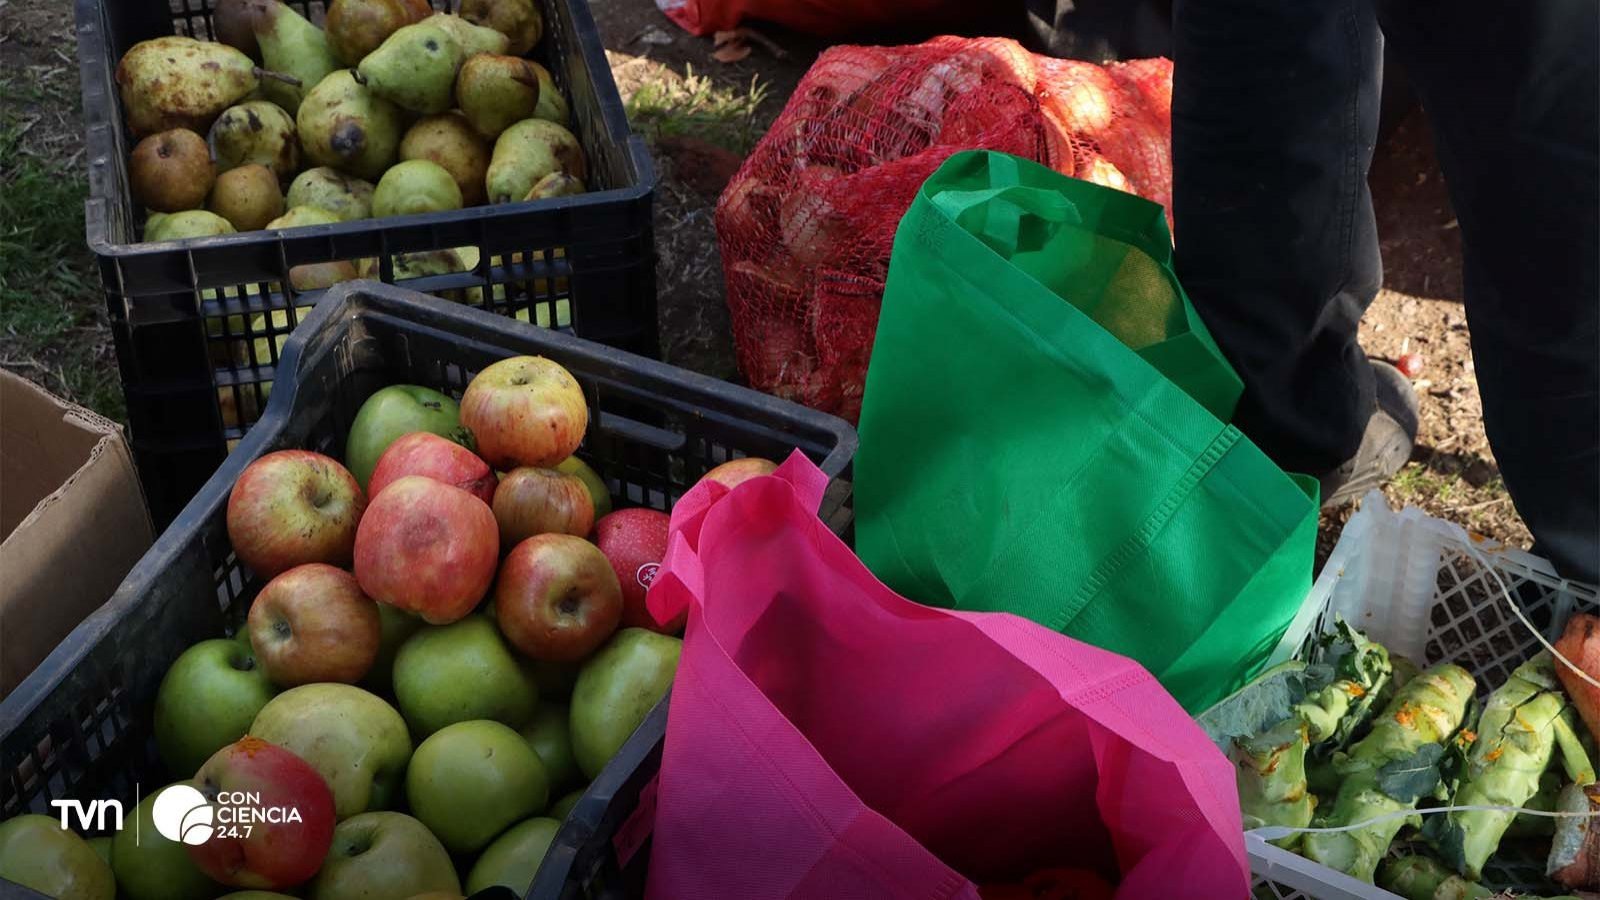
<point>272,817</point>
<point>525,411</point>
<point>557,598</point>
<point>428,548</point>
<point>293,507</point>
<point>735,472</point>
<point>425,453</point>
<point>634,540</point>
<point>312,623</point>
<point>532,501</point>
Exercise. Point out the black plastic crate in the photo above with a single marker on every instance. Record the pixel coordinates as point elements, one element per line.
<point>196,338</point>
<point>79,726</point>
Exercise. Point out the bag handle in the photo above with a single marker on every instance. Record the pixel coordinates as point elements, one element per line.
<point>1005,208</point>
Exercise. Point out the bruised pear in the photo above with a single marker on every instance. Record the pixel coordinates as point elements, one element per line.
<point>248,197</point>
<point>556,184</point>
<point>303,215</point>
<point>414,69</point>
<point>171,171</point>
<point>424,263</point>
<point>473,39</point>
<point>179,82</point>
<point>291,44</point>
<point>527,152</point>
<point>448,140</point>
<point>413,187</point>
<point>256,132</point>
<point>345,125</point>
<point>518,20</point>
<point>190,223</point>
<point>496,92</point>
<point>357,27</point>
<point>552,106</point>
<point>346,197</point>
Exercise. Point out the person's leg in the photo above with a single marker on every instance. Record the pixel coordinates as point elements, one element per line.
<point>1274,117</point>
<point>1511,92</point>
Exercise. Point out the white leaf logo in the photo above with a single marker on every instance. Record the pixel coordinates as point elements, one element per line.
<point>182,814</point>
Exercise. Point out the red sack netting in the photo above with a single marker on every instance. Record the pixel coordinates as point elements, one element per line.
<point>807,223</point>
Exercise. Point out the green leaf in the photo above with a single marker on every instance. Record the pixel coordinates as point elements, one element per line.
<point>1263,703</point>
<point>1410,777</point>
<point>1448,839</point>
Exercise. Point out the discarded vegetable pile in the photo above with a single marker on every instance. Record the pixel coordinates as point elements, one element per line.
<point>390,93</point>
<point>807,223</point>
<point>1354,740</point>
<point>426,681</point>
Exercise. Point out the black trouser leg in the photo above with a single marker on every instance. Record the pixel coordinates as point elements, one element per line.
<point>1513,93</point>
<point>1274,117</point>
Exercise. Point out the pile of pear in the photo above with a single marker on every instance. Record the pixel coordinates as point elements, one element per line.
<point>390,109</point>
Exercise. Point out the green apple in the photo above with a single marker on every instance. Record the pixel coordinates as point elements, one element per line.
<point>591,480</point>
<point>207,701</point>
<point>381,855</point>
<point>150,867</point>
<point>356,740</point>
<point>36,852</point>
<point>472,779</point>
<point>548,735</point>
<point>395,625</point>
<point>393,411</point>
<point>462,671</point>
<point>617,687</point>
<point>514,857</point>
<point>563,807</point>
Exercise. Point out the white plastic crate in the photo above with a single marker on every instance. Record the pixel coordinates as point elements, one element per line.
<point>1420,587</point>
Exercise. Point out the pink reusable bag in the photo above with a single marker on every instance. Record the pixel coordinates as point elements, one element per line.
<point>828,738</point>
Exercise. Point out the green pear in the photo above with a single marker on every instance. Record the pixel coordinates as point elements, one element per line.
<point>415,68</point>
<point>413,187</point>
<point>291,44</point>
<point>256,131</point>
<point>556,184</point>
<point>496,92</point>
<point>435,262</point>
<point>527,152</point>
<point>327,188</point>
<point>304,215</point>
<point>179,82</point>
<point>450,141</point>
<point>472,38</point>
<point>518,20</point>
<point>552,106</point>
<point>187,224</point>
<point>345,125</point>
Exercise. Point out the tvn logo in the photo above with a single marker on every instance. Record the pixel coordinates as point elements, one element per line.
<point>89,816</point>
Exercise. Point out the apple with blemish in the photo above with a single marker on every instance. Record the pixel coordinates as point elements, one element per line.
<point>556,598</point>
<point>427,454</point>
<point>313,623</point>
<point>525,411</point>
<point>294,507</point>
<point>268,855</point>
<point>530,501</point>
<point>428,548</point>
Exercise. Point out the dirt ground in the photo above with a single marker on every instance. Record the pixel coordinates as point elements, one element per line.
<point>1452,474</point>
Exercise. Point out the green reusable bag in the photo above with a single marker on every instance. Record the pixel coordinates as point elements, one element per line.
<point>1045,433</point>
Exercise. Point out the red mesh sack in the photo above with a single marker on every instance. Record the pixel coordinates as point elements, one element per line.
<point>807,223</point>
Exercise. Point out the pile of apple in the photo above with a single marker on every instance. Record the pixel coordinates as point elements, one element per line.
<point>430,677</point>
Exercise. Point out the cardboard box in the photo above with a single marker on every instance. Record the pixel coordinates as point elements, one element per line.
<point>72,519</point>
